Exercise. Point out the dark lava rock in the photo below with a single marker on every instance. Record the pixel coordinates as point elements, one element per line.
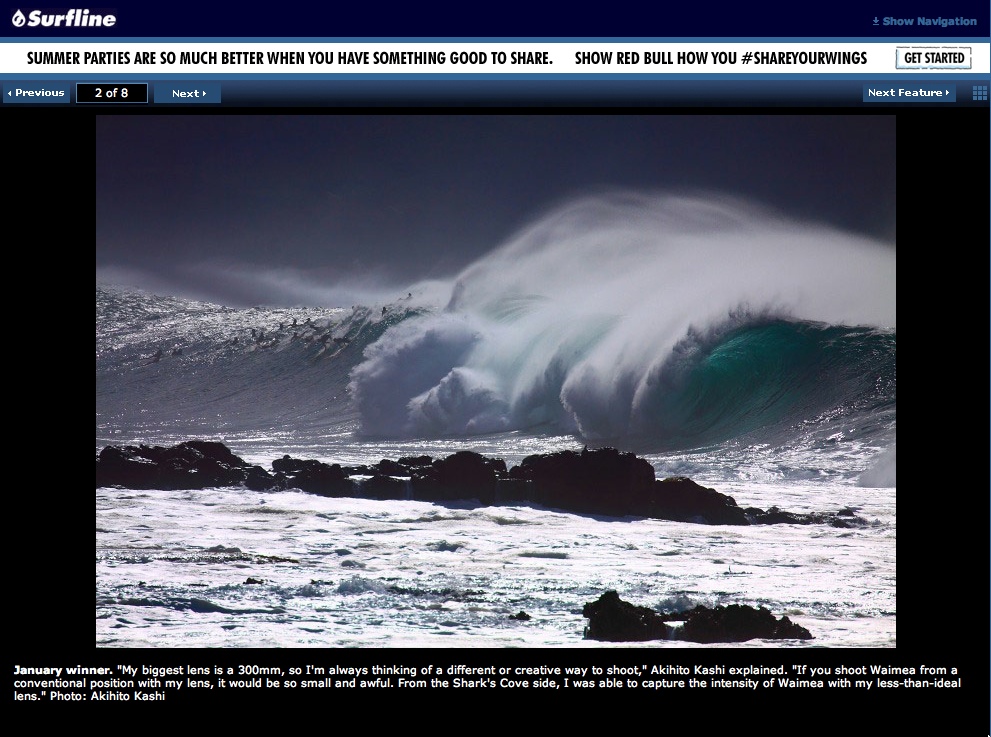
<point>602,481</point>
<point>258,479</point>
<point>125,466</point>
<point>415,461</point>
<point>383,487</point>
<point>737,623</point>
<point>190,465</point>
<point>613,620</point>
<point>464,475</point>
<point>391,468</point>
<point>606,481</point>
<point>845,518</point>
<point>313,476</point>
<point>682,500</point>
<point>214,451</point>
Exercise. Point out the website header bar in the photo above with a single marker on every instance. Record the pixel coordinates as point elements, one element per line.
<point>837,20</point>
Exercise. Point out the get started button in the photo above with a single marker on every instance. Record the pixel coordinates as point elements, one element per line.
<point>932,57</point>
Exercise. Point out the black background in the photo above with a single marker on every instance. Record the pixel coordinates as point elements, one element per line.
<point>943,227</point>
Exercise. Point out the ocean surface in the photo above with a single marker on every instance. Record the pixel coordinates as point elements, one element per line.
<point>751,353</point>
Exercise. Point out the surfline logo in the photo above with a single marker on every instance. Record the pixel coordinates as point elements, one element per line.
<point>63,18</point>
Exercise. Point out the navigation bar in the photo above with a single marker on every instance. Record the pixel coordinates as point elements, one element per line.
<point>460,91</point>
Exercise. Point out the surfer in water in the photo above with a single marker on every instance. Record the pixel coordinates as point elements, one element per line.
<point>156,356</point>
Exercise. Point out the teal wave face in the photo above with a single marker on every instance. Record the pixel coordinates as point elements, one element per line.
<point>767,380</point>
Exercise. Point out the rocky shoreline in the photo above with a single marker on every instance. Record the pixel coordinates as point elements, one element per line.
<point>596,482</point>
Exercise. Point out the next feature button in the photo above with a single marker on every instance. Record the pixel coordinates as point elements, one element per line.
<point>187,92</point>
<point>910,92</point>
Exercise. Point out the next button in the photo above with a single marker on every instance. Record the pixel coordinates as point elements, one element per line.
<point>187,92</point>
<point>917,92</point>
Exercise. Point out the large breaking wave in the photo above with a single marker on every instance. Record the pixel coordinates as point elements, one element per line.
<point>650,322</point>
